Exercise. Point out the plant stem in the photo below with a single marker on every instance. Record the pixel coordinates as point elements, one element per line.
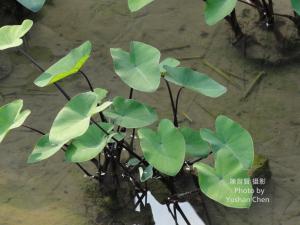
<point>175,121</point>
<point>232,20</point>
<point>177,99</point>
<point>33,129</point>
<point>34,62</point>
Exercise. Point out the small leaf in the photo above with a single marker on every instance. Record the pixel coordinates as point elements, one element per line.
<point>232,137</point>
<point>139,68</point>
<point>133,162</point>
<point>11,35</point>
<point>102,93</point>
<point>171,62</point>
<point>43,150</point>
<point>296,6</point>
<point>74,118</point>
<point>216,10</point>
<point>146,174</point>
<point>89,145</point>
<point>33,5</point>
<point>66,66</point>
<point>11,117</point>
<point>164,149</point>
<point>228,183</point>
<point>195,81</point>
<point>195,146</point>
<point>130,113</point>
<point>135,5</point>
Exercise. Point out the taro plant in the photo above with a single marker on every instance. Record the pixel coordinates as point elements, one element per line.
<point>91,128</point>
<point>217,10</point>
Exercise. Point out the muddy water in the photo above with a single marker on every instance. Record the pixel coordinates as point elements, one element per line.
<point>55,192</point>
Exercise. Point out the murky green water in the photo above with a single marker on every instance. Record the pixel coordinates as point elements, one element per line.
<point>56,193</point>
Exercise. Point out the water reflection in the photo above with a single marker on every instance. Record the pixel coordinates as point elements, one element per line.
<point>181,213</point>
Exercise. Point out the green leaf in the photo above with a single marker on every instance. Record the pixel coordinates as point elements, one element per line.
<point>11,36</point>
<point>216,10</point>
<point>164,149</point>
<point>139,68</point>
<point>195,81</point>
<point>11,117</point>
<point>195,146</point>
<point>296,6</point>
<point>66,66</point>
<point>171,62</point>
<point>146,174</point>
<point>74,118</point>
<point>43,150</point>
<point>228,183</point>
<point>135,5</point>
<point>232,137</point>
<point>33,5</point>
<point>89,145</point>
<point>130,113</point>
<point>102,93</point>
<point>133,162</point>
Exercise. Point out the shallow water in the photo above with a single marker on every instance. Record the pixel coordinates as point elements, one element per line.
<point>54,192</point>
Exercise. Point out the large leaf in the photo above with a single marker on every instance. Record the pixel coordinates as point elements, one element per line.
<point>164,149</point>
<point>195,146</point>
<point>66,66</point>
<point>195,81</point>
<point>11,117</point>
<point>89,145</point>
<point>43,150</point>
<point>135,5</point>
<point>33,5</point>
<point>74,118</point>
<point>130,113</point>
<point>296,6</point>
<point>228,183</point>
<point>232,137</point>
<point>216,10</point>
<point>139,68</point>
<point>11,36</point>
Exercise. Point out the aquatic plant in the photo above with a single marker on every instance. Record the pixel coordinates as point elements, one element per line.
<point>217,10</point>
<point>92,128</point>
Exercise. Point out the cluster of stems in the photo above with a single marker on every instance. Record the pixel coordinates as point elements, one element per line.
<point>265,9</point>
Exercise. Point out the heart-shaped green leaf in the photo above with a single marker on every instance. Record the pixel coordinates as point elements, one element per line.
<point>195,81</point>
<point>228,183</point>
<point>195,146</point>
<point>139,69</point>
<point>216,10</point>
<point>89,145</point>
<point>33,5</point>
<point>231,136</point>
<point>135,5</point>
<point>130,113</point>
<point>74,118</point>
<point>11,117</point>
<point>11,36</point>
<point>172,62</point>
<point>66,66</point>
<point>164,149</point>
<point>296,6</point>
<point>43,150</point>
